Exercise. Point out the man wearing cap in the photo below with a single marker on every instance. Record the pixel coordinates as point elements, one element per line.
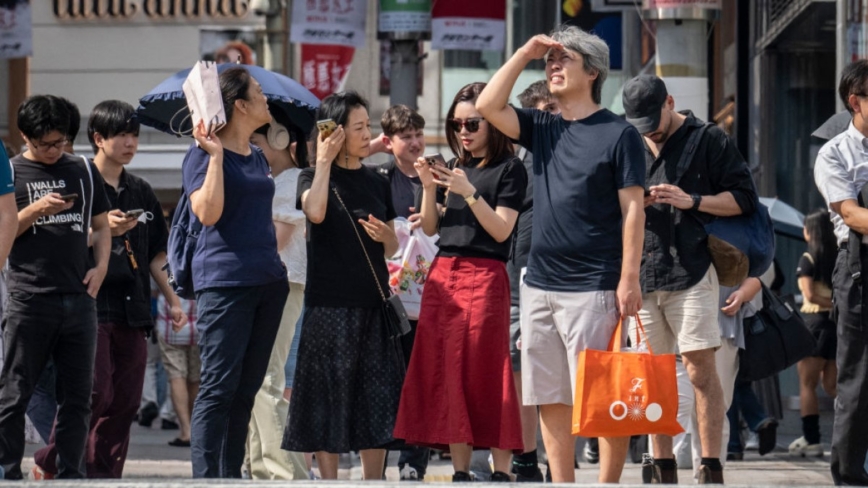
<point>690,178</point>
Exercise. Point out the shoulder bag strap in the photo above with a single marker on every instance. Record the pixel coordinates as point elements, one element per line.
<point>361,243</point>
<point>92,191</point>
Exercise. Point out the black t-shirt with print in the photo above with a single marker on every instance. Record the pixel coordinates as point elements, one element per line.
<point>338,274</point>
<point>52,255</point>
<point>501,184</point>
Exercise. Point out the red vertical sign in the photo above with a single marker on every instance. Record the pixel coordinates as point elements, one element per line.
<point>324,68</point>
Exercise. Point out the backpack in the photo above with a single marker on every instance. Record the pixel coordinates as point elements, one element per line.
<point>183,238</point>
<point>752,234</point>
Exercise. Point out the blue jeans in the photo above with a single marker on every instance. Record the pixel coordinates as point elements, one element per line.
<point>237,327</point>
<point>746,403</point>
<point>292,359</point>
<point>36,327</point>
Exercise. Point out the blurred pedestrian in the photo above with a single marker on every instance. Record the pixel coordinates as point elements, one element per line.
<point>179,350</point>
<point>459,391</point>
<point>347,381</point>
<point>270,409</point>
<point>815,282</point>
<point>240,283</point>
<point>234,52</point>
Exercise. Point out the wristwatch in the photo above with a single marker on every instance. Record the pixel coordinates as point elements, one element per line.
<point>697,199</point>
<point>472,199</point>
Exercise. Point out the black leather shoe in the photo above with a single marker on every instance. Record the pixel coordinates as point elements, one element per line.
<point>500,477</point>
<point>461,477</point>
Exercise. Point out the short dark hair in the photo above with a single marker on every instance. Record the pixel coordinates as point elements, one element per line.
<point>234,85</point>
<point>39,115</point>
<point>338,106</point>
<point>110,118</point>
<point>499,146</point>
<point>399,118</point>
<point>853,82</point>
<point>74,119</point>
<point>537,92</point>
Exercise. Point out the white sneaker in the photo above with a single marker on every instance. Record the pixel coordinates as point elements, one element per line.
<point>752,443</point>
<point>409,473</point>
<point>801,447</point>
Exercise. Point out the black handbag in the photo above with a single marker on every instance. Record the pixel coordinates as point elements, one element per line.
<point>394,313</point>
<point>775,339</point>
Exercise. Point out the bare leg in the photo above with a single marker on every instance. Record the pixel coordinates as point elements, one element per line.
<point>709,399</point>
<point>328,465</point>
<point>502,460</point>
<point>287,393</point>
<point>809,376</point>
<point>181,402</point>
<point>556,420</point>
<point>192,393</point>
<point>529,418</point>
<point>613,455</point>
<point>830,378</point>
<point>461,454</point>
<point>662,446</point>
<point>372,463</point>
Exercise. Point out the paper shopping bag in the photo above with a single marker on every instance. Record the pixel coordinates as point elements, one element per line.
<point>204,100</point>
<point>621,393</point>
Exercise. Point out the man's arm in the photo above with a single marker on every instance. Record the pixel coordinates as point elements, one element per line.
<point>8,224</point>
<point>629,294</point>
<point>161,277</point>
<point>101,238</point>
<point>49,204</point>
<point>493,102</point>
<point>855,217</point>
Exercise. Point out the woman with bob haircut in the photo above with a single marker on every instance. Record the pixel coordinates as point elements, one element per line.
<point>459,391</point>
<point>347,379</point>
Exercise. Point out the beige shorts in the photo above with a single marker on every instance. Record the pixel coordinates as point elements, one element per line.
<point>555,327</point>
<point>684,320</point>
<point>181,361</point>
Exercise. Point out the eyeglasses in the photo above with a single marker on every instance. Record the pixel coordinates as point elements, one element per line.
<point>45,146</point>
<point>471,124</point>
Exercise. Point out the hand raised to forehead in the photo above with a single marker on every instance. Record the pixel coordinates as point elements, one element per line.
<point>539,45</point>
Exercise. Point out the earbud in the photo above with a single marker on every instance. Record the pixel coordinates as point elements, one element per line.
<point>278,136</point>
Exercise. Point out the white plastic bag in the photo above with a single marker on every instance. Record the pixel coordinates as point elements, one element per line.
<point>202,92</point>
<point>408,270</point>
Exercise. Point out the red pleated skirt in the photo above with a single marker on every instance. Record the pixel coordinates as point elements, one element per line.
<point>459,387</point>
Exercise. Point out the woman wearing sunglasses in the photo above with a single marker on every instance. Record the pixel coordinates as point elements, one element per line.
<point>459,392</point>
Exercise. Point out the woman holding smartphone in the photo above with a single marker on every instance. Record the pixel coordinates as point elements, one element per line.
<point>459,391</point>
<point>347,381</point>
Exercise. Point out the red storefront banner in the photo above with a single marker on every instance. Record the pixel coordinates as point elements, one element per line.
<point>478,25</point>
<point>324,68</point>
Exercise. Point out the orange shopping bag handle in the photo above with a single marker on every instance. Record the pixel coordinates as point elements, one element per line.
<point>615,341</point>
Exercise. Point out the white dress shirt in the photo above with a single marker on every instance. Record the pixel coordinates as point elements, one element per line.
<point>841,170</point>
<point>294,255</point>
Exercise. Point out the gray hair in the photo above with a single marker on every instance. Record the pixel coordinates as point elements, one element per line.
<point>594,51</point>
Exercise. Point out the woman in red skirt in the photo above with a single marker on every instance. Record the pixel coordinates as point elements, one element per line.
<point>459,392</point>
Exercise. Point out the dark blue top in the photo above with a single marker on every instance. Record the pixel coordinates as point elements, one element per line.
<point>578,168</point>
<point>241,248</point>
<point>7,183</point>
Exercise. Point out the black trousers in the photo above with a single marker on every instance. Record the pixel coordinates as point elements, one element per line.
<point>850,431</point>
<point>37,327</point>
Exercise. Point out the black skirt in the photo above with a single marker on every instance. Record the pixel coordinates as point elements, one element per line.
<point>347,383</point>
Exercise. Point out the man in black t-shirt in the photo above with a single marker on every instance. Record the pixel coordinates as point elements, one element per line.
<point>679,284</point>
<point>583,266</point>
<point>404,138</point>
<point>53,283</point>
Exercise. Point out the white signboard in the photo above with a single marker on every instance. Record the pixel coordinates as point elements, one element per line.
<point>16,31</point>
<point>333,22</point>
<point>468,33</point>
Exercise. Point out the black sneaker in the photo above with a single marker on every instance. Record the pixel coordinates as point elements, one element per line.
<point>497,477</point>
<point>767,433</point>
<point>461,477</point>
<point>536,478</point>
<point>148,413</point>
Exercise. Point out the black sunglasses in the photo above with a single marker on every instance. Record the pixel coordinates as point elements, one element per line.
<point>472,124</point>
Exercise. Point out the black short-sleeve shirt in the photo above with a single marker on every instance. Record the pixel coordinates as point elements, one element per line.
<point>501,184</point>
<point>578,168</point>
<point>338,274</point>
<point>52,255</point>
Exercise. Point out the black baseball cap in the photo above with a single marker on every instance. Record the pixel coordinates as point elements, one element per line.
<point>643,100</point>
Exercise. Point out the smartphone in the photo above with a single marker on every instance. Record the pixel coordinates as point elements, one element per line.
<point>69,197</point>
<point>326,127</point>
<point>435,159</point>
<point>133,213</point>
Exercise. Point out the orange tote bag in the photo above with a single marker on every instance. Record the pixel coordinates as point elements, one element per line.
<point>620,393</point>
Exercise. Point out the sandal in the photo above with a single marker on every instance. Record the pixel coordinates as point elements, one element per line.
<point>178,442</point>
